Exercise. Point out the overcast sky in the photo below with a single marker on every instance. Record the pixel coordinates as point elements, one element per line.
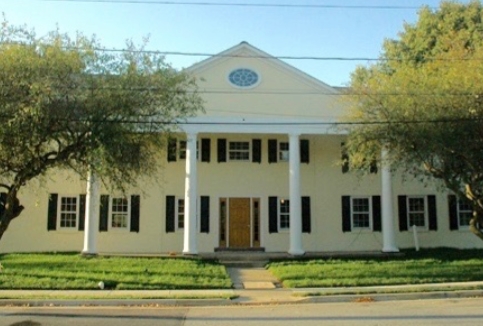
<point>324,31</point>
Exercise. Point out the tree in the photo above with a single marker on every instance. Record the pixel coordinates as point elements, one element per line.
<point>423,102</point>
<point>67,104</point>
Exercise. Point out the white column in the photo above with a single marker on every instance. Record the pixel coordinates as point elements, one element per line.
<point>388,233</point>
<point>191,193</point>
<point>91,215</point>
<point>295,200</point>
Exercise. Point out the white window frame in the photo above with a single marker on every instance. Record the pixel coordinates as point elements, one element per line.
<point>369,213</point>
<point>425,212</point>
<point>283,153</point>
<point>177,212</point>
<point>460,211</point>
<point>249,150</point>
<point>59,212</point>
<point>111,212</point>
<point>279,215</point>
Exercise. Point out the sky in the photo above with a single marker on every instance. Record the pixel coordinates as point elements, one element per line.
<point>323,32</point>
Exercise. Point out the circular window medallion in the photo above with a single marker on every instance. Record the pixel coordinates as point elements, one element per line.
<point>243,77</point>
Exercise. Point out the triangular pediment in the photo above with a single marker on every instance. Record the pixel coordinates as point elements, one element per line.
<point>280,90</point>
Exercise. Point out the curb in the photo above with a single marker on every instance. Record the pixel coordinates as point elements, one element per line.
<point>271,300</point>
<point>393,296</point>
<point>114,303</point>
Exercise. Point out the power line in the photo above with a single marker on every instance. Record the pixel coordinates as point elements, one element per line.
<point>249,4</point>
<point>269,57</point>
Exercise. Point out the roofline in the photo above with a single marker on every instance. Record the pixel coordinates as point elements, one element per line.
<point>260,53</point>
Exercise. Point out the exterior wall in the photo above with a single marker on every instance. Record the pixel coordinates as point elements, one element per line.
<point>283,95</point>
<point>321,179</point>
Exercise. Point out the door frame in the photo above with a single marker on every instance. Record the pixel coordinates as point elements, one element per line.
<point>252,226</point>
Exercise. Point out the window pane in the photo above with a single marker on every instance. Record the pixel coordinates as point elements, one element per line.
<point>465,212</point>
<point>416,211</point>
<point>119,211</point>
<point>239,151</point>
<point>360,213</point>
<point>68,212</point>
<point>284,213</point>
<point>180,213</point>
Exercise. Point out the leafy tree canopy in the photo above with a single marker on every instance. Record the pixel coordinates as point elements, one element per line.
<point>424,102</point>
<point>67,104</point>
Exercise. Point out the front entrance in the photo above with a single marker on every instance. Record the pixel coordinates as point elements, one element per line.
<point>240,226</point>
<point>239,223</point>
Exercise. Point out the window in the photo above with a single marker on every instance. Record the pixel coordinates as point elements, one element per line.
<point>119,213</point>
<point>283,152</point>
<point>182,150</point>
<point>68,212</point>
<point>284,214</point>
<point>180,214</point>
<point>239,151</point>
<point>243,78</point>
<point>465,212</point>
<point>361,213</point>
<point>416,211</point>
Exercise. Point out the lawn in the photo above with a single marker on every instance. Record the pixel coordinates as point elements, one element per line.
<point>426,266</point>
<point>73,271</point>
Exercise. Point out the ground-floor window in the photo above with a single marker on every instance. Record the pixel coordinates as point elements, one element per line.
<point>465,212</point>
<point>361,213</point>
<point>68,212</point>
<point>284,214</point>
<point>119,213</point>
<point>416,208</point>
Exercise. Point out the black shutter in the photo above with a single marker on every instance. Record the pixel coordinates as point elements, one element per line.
<point>82,212</point>
<point>135,212</point>
<point>272,151</point>
<point>402,212</point>
<point>346,213</point>
<point>205,214</point>
<point>221,150</point>
<point>205,149</point>
<point>373,167</point>
<point>432,214</point>
<point>306,212</point>
<point>272,215</point>
<point>104,213</point>
<point>3,201</point>
<point>52,212</point>
<point>376,213</point>
<point>345,159</point>
<point>453,212</point>
<point>170,211</point>
<point>304,151</point>
<point>257,150</point>
<point>172,151</point>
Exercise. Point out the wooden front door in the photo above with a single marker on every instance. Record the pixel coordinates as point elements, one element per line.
<point>240,227</point>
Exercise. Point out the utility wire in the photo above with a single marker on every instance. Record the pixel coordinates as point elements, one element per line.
<point>269,57</point>
<point>248,4</point>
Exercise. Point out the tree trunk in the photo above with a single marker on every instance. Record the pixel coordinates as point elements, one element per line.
<point>475,222</point>
<point>10,208</point>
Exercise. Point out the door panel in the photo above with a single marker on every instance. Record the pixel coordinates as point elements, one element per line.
<point>240,227</point>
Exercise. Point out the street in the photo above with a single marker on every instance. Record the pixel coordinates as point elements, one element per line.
<point>415,312</point>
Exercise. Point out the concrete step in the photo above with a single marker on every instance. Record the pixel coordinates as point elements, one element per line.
<point>244,263</point>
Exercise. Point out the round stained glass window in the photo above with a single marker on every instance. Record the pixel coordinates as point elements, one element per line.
<point>243,77</point>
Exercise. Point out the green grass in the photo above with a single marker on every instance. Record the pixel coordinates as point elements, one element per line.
<point>73,271</point>
<point>426,266</point>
